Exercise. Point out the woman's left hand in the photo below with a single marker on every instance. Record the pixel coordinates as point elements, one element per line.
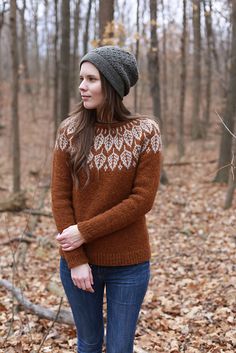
<point>70,238</point>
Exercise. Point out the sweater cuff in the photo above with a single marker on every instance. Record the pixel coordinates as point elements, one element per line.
<point>75,257</point>
<point>86,231</point>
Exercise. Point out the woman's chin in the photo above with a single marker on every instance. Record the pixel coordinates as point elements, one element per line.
<point>89,105</point>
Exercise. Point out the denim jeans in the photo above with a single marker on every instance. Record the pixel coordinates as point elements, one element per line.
<point>125,290</point>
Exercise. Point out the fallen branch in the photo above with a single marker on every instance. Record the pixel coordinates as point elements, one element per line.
<point>64,317</point>
<point>19,239</point>
<point>38,213</point>
<point>179,164</point>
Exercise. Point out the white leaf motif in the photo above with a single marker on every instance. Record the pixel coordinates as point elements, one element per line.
<point>126,158</point>
<point>118,141</point>
<point>108,142</point>
<point>100,160</point>
<point>98,141</point>
<point>63,142</point>
<point>137,132</point>
<point>147,126</point>
<point>155,142</point>
<point>128,137</point>
<point>113,160</point>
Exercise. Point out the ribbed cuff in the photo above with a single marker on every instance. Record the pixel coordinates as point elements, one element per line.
<point>74,258</point>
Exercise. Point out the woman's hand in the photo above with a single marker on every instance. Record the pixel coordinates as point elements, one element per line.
<point>82,277</point>
<point>70,238</point>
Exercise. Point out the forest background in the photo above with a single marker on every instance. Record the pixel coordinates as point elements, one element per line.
<point>186,52</point>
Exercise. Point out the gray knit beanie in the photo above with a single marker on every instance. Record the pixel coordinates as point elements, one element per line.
<point>117,65</point>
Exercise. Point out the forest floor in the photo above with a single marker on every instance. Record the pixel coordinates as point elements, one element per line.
<point>190,305</point>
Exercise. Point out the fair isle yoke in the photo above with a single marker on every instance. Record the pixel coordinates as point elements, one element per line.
<point>124,163</point>
<point>116,146</point>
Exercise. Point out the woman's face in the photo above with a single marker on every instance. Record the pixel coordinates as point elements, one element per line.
<point>90,86</point>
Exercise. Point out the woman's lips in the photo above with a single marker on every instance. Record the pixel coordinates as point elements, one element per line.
<point>85,97</point>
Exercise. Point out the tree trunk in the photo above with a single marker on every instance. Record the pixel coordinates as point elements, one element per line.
<point>196,93</point>
<point>65,60</point>
<point>153,63</point>
<point>46,70</point>
<point>75,58</point>
<point>180,122</point>
<point>208,24</point>
<point>56,72</point>
<point>38,69</point>
<point>230,110</point>
<point>232,181</point>
<point>24,50</point>
<point>137,57</point>
<point>86,32</point>
<point>14,101</point>
<point>2,12</point>
<point>164,111</point>
<point>106,16</point>
<point>154,73</point>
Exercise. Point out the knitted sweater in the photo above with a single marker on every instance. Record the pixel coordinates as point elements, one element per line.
<point>124,164</point>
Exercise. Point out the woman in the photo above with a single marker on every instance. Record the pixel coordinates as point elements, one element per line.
<point>105,174</point>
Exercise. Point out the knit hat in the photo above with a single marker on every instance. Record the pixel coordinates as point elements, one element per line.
<point>117,65</point>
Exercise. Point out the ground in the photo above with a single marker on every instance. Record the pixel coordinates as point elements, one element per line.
<point>190,304</point>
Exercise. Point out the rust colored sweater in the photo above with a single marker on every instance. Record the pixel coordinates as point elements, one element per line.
<point>124,163</point>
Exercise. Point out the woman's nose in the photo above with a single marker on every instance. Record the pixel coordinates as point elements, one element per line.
<point>83,85</point>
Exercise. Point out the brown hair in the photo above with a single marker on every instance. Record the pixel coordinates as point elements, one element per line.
<point>112,110</point>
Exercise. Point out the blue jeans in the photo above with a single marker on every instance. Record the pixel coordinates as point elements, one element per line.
<point>125,290</point>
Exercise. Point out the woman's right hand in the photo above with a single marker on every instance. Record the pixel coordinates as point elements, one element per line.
<point>82,277</point>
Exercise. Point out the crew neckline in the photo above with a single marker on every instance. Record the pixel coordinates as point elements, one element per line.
<point>114,124</point>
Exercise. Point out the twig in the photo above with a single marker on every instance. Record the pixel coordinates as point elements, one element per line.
<point>225,125</point>
<point>50,327</point>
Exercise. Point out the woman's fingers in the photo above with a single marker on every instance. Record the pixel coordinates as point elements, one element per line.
<point>74,245</point>
<point>82,277</point>
<point>84,284</point>
<point>91,276</point>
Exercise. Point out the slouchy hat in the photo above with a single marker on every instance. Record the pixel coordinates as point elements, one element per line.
<point>117,65</point>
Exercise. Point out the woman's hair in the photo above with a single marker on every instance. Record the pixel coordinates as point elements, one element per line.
<point>82,139</point>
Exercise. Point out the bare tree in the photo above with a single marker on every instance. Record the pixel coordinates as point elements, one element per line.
<point>232,181</point>
<point>14,100</point>
<point>154,72</point>
<point>180,121</point>
<point>208,23</point>
<point>153,63</point>
<point>230,109</point>
<point>75,59</point>
<point>2,12</point>
<point>24,49</point>
<point>34,5</point>
<point>165,109</point>
<point>47,42</point>
<point>106,15</point>
<point>56,71</point>
<point>86,32</point>
<point>65,60</point>
<point>196,93</point>
<point>137,55</point>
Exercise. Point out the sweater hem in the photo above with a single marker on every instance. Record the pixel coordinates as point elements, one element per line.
<point>104,259</point>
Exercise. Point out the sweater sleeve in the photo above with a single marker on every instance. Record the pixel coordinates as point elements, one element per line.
<point>140,200</point>
<point>61,196</point>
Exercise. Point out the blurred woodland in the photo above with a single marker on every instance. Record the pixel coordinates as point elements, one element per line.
<point>186,52</point>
